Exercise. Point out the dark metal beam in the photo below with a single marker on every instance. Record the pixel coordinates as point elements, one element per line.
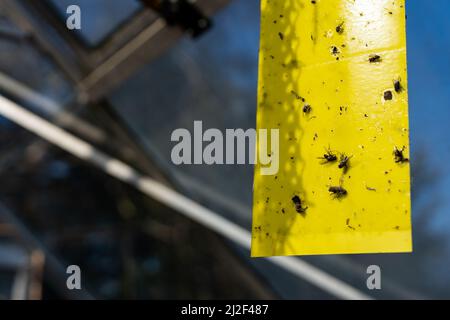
<point>149,44</point>
<point>183,13</point>
<point>97,71</point>
<point>44,37</point>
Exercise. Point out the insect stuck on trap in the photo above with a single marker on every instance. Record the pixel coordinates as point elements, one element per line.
<point>340,28</point>
<point>298,205</point>
<point>398,85</point>
<point>307,109</point>
<point>399,156</point>
<point>328,157</point>
<point>344,162</point>
<point>374,58</point>
<point>338,192</point>
<point>387,95</point>
<point>335,51</point>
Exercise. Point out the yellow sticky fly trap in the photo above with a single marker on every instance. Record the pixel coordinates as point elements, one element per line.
<point>332,80</point>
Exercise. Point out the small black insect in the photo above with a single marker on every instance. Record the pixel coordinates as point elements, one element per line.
<point>398,85</point>
<point>298,205</point>
<point>307,109</point>
<point>340,28</point>
<point>399,157</point>
<point>338,192</point>
<point>344,162</point>
<point>388,95</point>
<point>335,50</point>
<point>374,58</point>
<point>329,156</point>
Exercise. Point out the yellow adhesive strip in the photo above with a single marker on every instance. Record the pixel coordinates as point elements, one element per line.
<point>332,79</point>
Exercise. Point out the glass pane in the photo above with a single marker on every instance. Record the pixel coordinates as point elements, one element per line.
<point>22,60</point>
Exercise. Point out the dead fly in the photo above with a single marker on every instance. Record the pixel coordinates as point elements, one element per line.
<point>374,58</point>
<point>344,162</point>
<point>340,28</point>
<point>335,50</point>
<point>399,157</point>
<point>307,109</point>
<point>338,192</point>
<point>398,85</point>
<point>388,95</point>
<point>328,157</point>
<point>298,205</point>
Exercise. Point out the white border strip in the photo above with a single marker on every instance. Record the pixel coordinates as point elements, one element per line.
<point>169,197</point>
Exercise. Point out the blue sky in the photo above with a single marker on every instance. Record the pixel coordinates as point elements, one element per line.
<point>429,73</point>
<point>428,34</point>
